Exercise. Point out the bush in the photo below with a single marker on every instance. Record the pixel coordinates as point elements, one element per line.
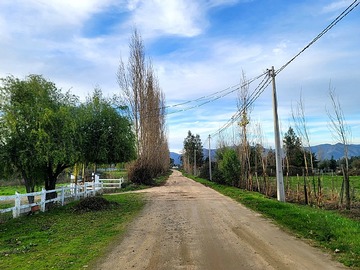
<point>139,172</point>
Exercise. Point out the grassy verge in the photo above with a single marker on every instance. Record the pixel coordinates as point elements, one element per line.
<point>326,229</point>
<point>62,239</point>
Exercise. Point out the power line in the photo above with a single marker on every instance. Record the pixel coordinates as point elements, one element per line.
<point>252,98</point>
<point>261,89</point>
<point>213,96</point>
<point>323,32</point>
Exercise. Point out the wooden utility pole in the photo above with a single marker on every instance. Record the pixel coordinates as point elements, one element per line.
<point>279,170</point>
<point>194,162</point>
<point>210,175</point>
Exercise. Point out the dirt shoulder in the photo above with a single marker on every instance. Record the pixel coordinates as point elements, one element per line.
<point>186,225</point>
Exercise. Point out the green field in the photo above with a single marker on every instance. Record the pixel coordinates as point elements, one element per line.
<point>322,190</point>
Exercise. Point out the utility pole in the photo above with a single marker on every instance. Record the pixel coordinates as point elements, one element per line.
<point>279,170</point>
<point>210,159</point>
<point>194,162</point>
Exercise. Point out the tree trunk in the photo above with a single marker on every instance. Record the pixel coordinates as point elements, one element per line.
<point>30,187</point>
<point>347,190</point>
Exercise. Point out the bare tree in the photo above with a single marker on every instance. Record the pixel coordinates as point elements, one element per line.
<point>146,104</point>
<point>261,155</point>
<point>301,128</point>
<point>131,79</point>
<point>341,132</point>
<point>244,148</point>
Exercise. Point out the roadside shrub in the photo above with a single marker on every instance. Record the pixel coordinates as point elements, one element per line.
<point>230,167</point>
<point>139,172</point>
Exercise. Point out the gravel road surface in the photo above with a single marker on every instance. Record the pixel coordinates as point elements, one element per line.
<point>186,225</point>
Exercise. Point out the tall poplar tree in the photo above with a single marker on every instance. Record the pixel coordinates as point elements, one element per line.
<point>141,93</point>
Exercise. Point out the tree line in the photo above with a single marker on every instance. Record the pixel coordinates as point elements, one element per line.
<point>249,165</point>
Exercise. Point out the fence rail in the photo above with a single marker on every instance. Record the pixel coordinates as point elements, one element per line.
<point>64,194</point>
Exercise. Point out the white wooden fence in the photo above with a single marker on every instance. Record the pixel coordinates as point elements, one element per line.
<point>65,193</point>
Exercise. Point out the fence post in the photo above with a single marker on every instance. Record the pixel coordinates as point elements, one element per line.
<point>43,200</point>
<point>85,190</point>
<point>62,195</point>
<point>16,211</point>
<point>75,191</point>
<point>120,182</point>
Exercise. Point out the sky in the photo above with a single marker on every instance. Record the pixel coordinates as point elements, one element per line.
<point>198,48</point>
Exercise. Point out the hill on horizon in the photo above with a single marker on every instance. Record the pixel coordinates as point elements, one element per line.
<point>322,151</point>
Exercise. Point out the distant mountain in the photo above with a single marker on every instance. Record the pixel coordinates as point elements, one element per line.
<point>322,151</point>
<point>326,151</point>
<point>176,157</point>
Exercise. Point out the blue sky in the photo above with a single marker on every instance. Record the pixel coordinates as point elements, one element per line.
<point>197,48</point>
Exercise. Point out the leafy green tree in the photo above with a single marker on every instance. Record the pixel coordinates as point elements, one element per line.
<point>230,166</point>
<point>324,165</point>
<point>293,150</point>
<point>193,151</point>
<point>38,130</point>
<point>332,164</point>
<point>107,136</point>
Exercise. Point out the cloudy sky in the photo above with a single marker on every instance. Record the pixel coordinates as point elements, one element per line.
<point>198,48</point>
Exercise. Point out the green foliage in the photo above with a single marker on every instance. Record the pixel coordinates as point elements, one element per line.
<point>63,239</point>
<point>292,145</point>
<point>295,153</point>
<point>229,166</point>
<point>106,134</point>
<point>327,229</point>
<point>193,147</point>
<point>38,130</point>
<point>43,131</point>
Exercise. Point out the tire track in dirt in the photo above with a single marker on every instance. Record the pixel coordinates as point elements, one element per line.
<point>186,225</point>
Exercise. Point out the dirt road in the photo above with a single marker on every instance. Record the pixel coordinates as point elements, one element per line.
<point>188,226</point>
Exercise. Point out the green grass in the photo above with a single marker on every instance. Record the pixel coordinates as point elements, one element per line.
<point>326,229</point>
<point>62,239</point>
<point>114,174</point>
<point>330,184</point>
<point>10,190</point>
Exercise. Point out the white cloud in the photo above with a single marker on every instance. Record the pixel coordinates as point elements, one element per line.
<point>336,6</point>
<point>171,17</point>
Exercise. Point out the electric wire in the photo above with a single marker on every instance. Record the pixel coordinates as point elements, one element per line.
<point>342,15</point>
<point>237,115</point>
<point>252,98</point>
<point>260,88</point>
<point>213,96</point>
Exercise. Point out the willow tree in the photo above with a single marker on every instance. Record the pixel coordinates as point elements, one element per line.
<point>107,136</point>
<point>38,130</point>
<point>141,93</point>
